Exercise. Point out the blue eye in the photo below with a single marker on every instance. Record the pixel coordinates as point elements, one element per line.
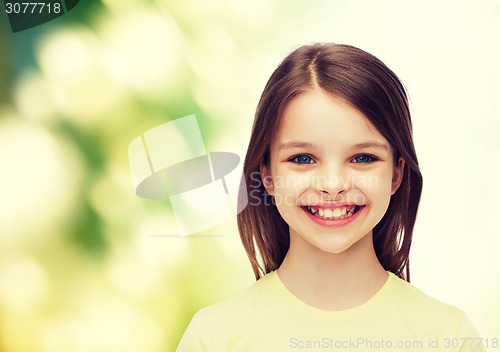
<point>302,159</point>
<point>363,159</point>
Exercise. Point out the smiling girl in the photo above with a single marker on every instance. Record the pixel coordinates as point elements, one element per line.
<point>333,184</point>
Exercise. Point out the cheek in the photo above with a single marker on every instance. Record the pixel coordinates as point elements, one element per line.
<point>366,182</point>
<point>288,181</point>
<point>376,186</point>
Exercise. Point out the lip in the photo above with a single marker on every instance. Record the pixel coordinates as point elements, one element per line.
<point>332,205</point>
<point>333,222</point>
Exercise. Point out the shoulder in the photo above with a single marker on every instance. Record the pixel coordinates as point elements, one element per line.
<point>220,326</point>
<point>243,302</point>
<point>421,309</point>
<point>407,293</point>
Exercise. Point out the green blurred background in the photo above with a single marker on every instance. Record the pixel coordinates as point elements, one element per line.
<point>84,263</point>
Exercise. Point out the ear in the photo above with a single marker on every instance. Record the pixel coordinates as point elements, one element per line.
<point>267,179</point>
<point>397,175</point>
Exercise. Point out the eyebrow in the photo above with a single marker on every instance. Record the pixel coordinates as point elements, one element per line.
<point>370,144</point>
<point>295,144</point>
<point>299,144</point>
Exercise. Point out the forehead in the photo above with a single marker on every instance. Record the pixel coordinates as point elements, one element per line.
<point>319,117</point>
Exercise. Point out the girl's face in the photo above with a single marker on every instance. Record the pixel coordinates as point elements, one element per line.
<point>331,173</point>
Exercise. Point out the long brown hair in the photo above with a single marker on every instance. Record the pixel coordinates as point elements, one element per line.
<point>370,86</point>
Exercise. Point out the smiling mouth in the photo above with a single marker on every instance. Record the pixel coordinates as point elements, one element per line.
<point>333,213</point>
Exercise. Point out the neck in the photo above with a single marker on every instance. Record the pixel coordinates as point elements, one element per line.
<point>332,281</point>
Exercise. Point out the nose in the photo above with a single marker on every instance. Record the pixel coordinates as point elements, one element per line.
<point>331,181</point>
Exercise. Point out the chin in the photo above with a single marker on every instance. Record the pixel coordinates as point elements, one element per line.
<point>335,249</point>
<point>339,244</point>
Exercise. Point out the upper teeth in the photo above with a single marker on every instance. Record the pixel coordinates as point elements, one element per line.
<point>332,213</point>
